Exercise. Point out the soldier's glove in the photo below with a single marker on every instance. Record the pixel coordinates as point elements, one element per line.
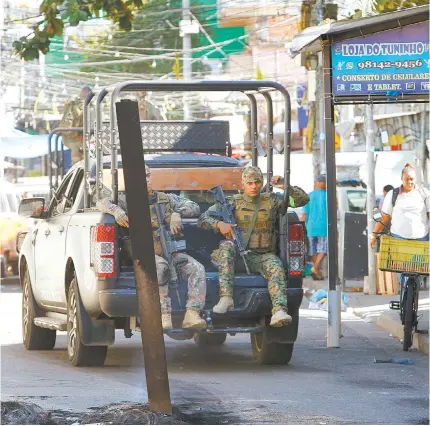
<point>299,196</point>
<point>121,217</point>
<point>176,223</point>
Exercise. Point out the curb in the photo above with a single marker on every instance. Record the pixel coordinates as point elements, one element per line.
<point>390,322</point>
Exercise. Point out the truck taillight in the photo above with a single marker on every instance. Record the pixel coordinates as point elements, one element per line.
<point>297,248</point>
<point>103,250</point>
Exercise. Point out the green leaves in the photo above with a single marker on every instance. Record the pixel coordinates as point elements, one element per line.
<point>75,11</point>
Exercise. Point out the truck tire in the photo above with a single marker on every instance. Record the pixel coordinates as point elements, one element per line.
<point>204,340</point>
<point>33,337</point>
<point>79,354</point>
<point>15,268</point>
<point>270,353</point>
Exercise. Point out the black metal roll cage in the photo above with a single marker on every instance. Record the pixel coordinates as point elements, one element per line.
<point>249,88</point>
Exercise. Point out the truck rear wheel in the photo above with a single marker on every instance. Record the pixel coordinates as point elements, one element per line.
<point>272,353</point>
<point>78,353</point>
<point>206,339</point>
<point>34,337</point>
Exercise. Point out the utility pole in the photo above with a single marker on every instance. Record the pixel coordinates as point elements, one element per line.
<point>370,280</point>
<point>148,299</point>
<point>422,146</point>
<point>186,51</point>
<point>319,160</point>
<point>369,286</point>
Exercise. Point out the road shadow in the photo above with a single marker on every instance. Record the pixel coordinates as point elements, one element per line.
<point>10,285</point>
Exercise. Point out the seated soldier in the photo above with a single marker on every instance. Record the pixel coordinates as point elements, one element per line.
<point>175,207</point>
<point>255,215</point>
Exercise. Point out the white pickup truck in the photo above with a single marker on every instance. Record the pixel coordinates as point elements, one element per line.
<point>76,277</point>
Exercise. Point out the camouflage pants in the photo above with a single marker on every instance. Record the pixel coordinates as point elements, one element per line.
<point>190,270</point>
<point>268,265</point>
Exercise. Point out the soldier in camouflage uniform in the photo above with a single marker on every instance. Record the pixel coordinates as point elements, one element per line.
<point>175,208</point>
<point>73,116</point>
<point>261,256</point>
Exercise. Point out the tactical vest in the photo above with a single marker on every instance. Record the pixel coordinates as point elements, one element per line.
<point>161,199</point>
<point>262,233</point>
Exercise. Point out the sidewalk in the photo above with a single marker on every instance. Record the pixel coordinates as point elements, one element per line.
<point>375,309</point>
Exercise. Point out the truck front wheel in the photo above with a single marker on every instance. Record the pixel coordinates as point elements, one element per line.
<point>79,354</point>
<point>272,353</point>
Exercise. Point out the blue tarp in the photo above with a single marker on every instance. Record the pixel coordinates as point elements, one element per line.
<point>17,144</point>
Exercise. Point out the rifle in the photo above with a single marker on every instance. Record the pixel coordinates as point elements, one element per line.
<point>170,246</point>
<point>227,215</point>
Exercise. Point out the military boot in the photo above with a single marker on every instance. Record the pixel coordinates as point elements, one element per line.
<point>166,320</point>
<point>192,319</point>
<point>225,304</point>
<point>280,319</point>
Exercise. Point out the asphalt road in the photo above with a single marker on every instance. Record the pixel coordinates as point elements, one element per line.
<point>224,385</point>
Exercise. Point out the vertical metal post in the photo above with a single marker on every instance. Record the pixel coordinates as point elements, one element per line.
<point>62,158</point>
<point>370,280</point>
<point>287,145</point>
<point>50,163</point>
<point>148,299</point>
<point>56,156</point>
<point>86,147</point>
<point>98,142</point>
<point>319,156</point>
<point>254,130</point>
<point>269,143</point>
<point>333,322</point>
<point>186,54</point>
<point>423,139</point>
<point>114,147</point>
<point>287,151</point>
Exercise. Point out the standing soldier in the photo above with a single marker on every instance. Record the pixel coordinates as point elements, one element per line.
<point>175,207</point>
<point>73,116</point>
<point>255,214</point>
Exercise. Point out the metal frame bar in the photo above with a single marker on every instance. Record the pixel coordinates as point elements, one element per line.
<point>269,139</point>
<point>254,129</point>
<point>87,137</point>
<point>98,136</point>
<point>57,132</point>
<point>247,87</point>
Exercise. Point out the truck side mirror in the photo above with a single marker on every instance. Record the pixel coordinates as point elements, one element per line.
<point>32,207</point>
<point>377,215</point>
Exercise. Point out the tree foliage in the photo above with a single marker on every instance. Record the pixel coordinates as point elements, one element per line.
<point>55,13</point>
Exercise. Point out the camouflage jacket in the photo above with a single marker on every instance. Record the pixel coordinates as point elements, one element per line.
<point>181,205</point>
<point>298,198</point>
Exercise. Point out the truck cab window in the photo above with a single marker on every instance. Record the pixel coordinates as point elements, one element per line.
<point>74,191</point>
<point>59,197</point>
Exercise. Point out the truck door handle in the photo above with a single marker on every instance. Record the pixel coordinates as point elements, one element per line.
<point>47,231</point>
<point>61,228</point>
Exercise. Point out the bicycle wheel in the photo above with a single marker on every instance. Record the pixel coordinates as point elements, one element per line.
<point>409,313</point>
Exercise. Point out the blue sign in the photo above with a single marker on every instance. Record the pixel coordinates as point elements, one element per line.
<point>389,63</point>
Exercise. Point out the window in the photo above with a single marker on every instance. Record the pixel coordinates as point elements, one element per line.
<point>73,192</point>
<point>59,198</point>
<point>357,201</point>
